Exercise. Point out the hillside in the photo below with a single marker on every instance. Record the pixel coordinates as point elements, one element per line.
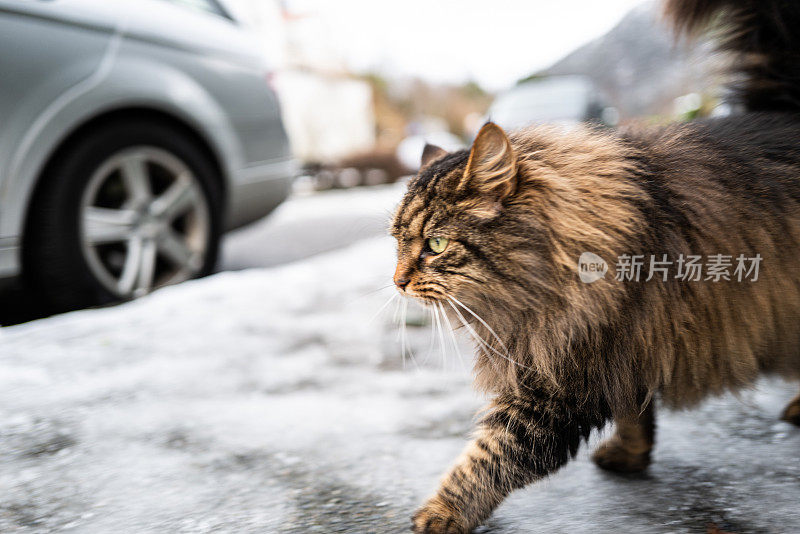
<point>640,68</point>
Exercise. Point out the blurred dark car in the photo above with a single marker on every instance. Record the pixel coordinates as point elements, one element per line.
<point>133,133</point>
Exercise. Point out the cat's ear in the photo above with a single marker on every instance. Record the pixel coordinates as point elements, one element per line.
<point>492,166</point>
<point>430,154</point>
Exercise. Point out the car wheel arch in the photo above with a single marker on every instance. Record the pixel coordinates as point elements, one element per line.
<point>155,116</point>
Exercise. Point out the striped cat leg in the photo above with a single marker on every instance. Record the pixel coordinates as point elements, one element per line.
<point>518,442</point>
<point>628,450</point>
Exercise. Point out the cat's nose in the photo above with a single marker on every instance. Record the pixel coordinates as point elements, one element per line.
<point>401,283</point>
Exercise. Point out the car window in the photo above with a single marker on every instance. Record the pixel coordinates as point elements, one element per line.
<point>209,6</point>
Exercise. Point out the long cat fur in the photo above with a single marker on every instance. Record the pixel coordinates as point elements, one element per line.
<point>563,357</point>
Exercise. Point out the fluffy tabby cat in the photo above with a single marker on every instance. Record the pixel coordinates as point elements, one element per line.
<point>496,232</point>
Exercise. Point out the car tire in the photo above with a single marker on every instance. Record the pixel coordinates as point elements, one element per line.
<point>66,259</point>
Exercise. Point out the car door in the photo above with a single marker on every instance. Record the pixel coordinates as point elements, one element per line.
<point>47,48</point>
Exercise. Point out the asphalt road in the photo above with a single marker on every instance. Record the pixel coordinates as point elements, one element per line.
<point>310,224</point>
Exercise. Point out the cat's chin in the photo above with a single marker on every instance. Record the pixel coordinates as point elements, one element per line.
<point>428,301</point>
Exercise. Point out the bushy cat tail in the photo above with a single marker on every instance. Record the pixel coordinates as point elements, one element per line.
<point>764,37</point>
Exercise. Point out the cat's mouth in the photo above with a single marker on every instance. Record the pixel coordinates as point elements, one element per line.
<point>426,294</point>
<point>425,299</point>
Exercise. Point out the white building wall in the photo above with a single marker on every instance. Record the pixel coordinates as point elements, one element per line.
<point>328,114</point>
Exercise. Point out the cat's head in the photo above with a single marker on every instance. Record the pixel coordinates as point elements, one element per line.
<point>501,225</point>
<point>456,229</point>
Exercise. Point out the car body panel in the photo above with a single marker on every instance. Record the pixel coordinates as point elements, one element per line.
<point>143,54</point>
<point>65,32</point>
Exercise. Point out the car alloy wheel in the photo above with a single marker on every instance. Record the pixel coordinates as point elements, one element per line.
<point>144,222</point>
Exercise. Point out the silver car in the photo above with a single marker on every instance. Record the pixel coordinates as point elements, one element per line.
<point>132,134</point>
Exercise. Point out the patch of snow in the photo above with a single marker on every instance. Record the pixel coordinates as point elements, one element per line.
<point>220,399</point>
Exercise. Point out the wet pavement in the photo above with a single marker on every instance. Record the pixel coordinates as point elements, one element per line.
<point>278,400</point>
<point>310,224</point>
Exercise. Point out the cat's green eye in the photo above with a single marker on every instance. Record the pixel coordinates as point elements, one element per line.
<point>438,244</point>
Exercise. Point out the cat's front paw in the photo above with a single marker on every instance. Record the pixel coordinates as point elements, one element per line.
<point>438,517</point>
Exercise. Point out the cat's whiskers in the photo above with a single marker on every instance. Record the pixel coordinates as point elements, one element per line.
<point>433,334</point>
<point>480,340</point>
<point>385,304</point>
<point>489,328</point>
<point>452,334</point>
<point>396,317</point>
<point>472,332</point>
<point>439,314</point>
<point>403,309</point>
<point>440,331</point>
<point>404,337</point>
<point>368,293</point>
